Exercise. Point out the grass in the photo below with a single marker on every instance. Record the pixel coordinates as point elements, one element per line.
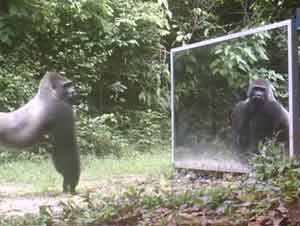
<point>33,176</point>
<point>146,163</point>
<point>39,174</point>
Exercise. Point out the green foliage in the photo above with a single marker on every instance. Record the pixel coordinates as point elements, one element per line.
<point>270,162</point>
<point>272,166</point>
<point>99,135</point>
<point>236,58</point>
<point>215,197</point>
<point>134,42</point>
<point>289,182</point>
<point>17,82</point>
<point>146,128</point>
<point>87,39</point>
<point>11,156</point>
<point>193,21</point>
<point>112,51</point>
<point>114,133</point>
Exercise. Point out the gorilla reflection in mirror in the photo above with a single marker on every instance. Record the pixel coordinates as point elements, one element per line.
<point>49,112</point>
<point>258,117</point>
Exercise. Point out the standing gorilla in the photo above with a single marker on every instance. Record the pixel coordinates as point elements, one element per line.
<point>49,112</point>
<point>258,117</point>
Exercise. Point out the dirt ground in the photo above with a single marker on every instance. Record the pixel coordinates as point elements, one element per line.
<point>15,199</point>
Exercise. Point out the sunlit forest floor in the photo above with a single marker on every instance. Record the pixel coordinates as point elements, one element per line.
<point>27,184</point>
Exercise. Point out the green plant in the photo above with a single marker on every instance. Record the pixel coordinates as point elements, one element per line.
<point>8,156</point>
<point>99,135</point>
<point>270,162</point>
<point>114,133</point>
<point>147,128</point>
<point>272,166</point>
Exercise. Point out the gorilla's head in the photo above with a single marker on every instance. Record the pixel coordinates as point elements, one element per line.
<point>60,87</point>
<point>260,91</point>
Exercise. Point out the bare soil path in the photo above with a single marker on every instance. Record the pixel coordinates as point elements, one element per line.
<point>17,199</point>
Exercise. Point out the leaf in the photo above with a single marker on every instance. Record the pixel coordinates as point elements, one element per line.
<point>262,54</point>
<point>261,221</point>
<point>164,3</point>
<point>250,53</point>
<point>179,38</point>
<point>133,42</point>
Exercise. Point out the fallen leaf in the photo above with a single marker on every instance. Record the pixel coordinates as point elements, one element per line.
<point>224,221</point>
<point>261,221</point>
<point>188,219</point>
<point>282,208</point>
<point>277,217</point>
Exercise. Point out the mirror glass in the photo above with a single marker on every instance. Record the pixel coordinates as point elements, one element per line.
<point>208,80</point>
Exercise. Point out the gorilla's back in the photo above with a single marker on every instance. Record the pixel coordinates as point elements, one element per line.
<point>25,126</point>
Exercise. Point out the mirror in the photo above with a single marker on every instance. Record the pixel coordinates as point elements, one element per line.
<point>210,77</point>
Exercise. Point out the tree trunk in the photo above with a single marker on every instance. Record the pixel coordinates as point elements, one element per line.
<point>100,96</point>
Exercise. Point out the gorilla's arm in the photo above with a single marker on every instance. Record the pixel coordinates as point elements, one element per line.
<point>280,119</point>
<point>240,120</point>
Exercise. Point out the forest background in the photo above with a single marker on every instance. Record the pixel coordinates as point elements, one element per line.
<point>117,54</point>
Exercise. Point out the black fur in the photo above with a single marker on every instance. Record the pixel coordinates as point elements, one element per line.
<point>258,117</point>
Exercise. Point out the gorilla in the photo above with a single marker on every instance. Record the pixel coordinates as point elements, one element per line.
<point>258,117</point>
<point>49,113</point>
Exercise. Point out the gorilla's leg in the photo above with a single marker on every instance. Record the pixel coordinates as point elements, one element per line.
<point>67,164</point>
<point>66,155</point>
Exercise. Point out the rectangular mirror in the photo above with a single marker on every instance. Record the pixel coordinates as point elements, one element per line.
<point>210,77</point>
